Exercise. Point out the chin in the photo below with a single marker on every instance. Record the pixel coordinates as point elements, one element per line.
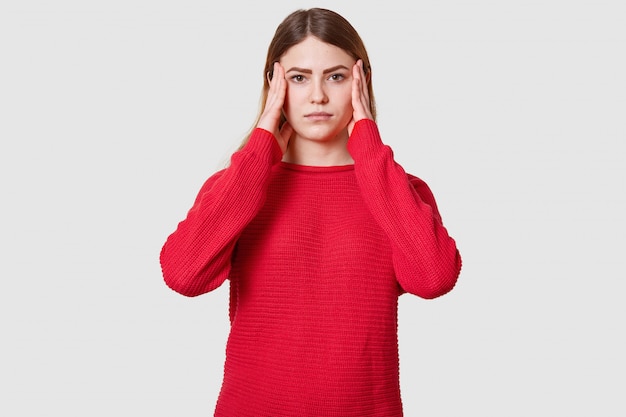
<point>321,134</point>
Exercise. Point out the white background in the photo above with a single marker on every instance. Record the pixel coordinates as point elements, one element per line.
<point>112,114</point>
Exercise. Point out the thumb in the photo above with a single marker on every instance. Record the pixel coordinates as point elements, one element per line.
<point>286,130</point>
<point>285,133</point>
<point>351,126</point>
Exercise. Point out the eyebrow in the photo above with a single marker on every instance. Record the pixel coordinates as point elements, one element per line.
<point>326,71</point>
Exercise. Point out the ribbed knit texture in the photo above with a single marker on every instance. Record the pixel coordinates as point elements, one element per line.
<point>316,258</point>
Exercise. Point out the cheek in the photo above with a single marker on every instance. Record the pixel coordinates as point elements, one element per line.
<point>344,98</point>
<point>291,100</point>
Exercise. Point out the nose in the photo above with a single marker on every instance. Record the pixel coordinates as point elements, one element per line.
<point>318,93</point>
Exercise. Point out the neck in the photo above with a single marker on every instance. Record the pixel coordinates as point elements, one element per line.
<point>302,151</point>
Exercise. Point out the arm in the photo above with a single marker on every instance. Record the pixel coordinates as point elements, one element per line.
<point>425,257</point>
<point>195,258</point>
<point>426,260</point>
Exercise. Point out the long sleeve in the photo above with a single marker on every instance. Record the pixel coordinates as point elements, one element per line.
<point>195,258</point>
<point>425,258</point>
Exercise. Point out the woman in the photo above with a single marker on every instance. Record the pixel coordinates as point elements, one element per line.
<point>318,231</point>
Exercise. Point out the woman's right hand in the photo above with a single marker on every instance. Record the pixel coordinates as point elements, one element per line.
<point>270,118</point>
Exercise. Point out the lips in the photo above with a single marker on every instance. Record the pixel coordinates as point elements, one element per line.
<point>318,116</point>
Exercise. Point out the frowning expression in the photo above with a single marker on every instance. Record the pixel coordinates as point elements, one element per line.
<point>319,84</point>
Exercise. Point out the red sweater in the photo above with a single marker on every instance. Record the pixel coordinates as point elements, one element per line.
<point>316,258</point>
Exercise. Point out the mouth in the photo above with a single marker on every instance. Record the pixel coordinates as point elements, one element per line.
<point>318,116</point>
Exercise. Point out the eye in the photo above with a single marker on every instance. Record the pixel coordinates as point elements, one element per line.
<point>336,77</point>
<point>298,78</point>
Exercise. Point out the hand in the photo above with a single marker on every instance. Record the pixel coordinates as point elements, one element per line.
<point>360,96</point>
<point>270,119</point>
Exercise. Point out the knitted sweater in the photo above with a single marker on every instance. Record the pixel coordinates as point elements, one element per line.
<point>316,258</point>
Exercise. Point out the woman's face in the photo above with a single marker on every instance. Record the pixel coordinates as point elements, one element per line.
<point>318,104</point>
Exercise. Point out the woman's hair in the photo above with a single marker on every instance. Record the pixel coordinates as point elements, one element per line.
<point>327,26</point>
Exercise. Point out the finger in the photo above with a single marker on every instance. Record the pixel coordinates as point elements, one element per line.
<point>281,84</point>
<point>277,91</point>
<point>270,118</point>
<point>284,135</point>
<point>274,82</point>
<point>360,95</point>
<point>365,74</point>
<point>356,75</point>
<point>363,79</point>
<point>357,89</point>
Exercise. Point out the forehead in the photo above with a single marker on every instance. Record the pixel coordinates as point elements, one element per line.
<point>313,53</point>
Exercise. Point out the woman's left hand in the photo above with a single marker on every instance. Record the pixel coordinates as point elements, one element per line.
<point>360,96</point>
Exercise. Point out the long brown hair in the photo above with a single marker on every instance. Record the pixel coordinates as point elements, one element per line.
<point>326,25</point>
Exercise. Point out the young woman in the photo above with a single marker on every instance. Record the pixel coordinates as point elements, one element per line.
<point>318,231</point>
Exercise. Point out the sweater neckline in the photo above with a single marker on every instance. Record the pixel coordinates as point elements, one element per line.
<point>311,168</point>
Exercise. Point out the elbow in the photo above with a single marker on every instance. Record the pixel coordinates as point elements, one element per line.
<point>177,277</point>
<point>438,289</point>
<point>189,284</point>
<point>189,280</point>
<point>177,282</point>
<point>186,290</point>
<point>436,282</point>
<point>448,278</point>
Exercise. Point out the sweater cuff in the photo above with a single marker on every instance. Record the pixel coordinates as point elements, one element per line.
<point>263,143</point>
<point>365,138</point>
